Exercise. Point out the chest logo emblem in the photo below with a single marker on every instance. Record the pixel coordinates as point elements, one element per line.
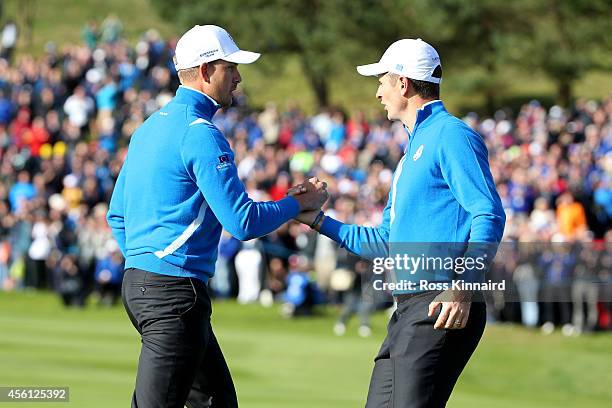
<point>418,153</point>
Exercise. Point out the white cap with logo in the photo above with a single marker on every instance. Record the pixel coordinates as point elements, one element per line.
<point>414,59</point>
<point>209,43</point>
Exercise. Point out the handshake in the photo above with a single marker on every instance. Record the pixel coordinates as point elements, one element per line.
<point>311,195</point>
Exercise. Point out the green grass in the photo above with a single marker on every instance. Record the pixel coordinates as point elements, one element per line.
<point>61,21</point>
<point>283,363</point>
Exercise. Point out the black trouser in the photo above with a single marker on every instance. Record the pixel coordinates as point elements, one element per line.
<point>418,366</point>
<point>180,360</point>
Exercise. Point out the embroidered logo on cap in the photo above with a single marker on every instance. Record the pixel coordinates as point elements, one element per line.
<point>209,53</point>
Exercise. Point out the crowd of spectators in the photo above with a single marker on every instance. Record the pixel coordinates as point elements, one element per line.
<point>65,123</point>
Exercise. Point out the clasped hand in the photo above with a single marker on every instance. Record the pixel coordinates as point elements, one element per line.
<point>311,195</point>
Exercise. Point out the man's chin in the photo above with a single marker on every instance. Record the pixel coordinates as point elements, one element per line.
<point>387,113</point>
<point>226,103</point>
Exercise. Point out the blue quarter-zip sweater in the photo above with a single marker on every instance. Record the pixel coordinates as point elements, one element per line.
<point>179,187</point>
<point>442,191</point>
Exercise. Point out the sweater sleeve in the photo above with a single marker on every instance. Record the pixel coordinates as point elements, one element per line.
<point>367,242</point>
<point>209,161</point>
<point>115,215</point>
<point>465,167</point>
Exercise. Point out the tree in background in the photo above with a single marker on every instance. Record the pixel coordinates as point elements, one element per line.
<point>25,20</point>
<point>314,31</point>
<point>564,39</point>
<point>476,37</point>
<point>568,39</point>
<point>481,39</point>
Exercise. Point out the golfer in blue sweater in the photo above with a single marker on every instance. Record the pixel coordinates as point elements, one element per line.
<point>177,190</point>
<point>442,199</point>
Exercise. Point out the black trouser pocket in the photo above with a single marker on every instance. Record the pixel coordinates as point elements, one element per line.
<point>180,360</point>
<point>149,296</point>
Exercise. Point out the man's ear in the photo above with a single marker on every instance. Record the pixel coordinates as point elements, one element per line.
<point>405,86</point>
<point>206,71</point>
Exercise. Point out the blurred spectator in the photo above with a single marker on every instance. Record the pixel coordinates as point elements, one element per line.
<point>570,216</point>
<point>280,187</point>
<point>6,110</point>
<point>112,28</point>
<point>37,136</point>
<point>302,294</point>
<point>248,266</point>
<point>276,278</point>
<point>5,253</point>
<point>585,289</point>
<point>22,191</point>
<point>558,263</point>
<point>325,259</point>
<point>8,40</point>
<point>542,219</point>
<point>91,34</point>
<point>221,284</point>
<point>353,280</point>
<point>109,274</point>
<point>71,286</point>
<point>268,121</point>
<point>39,251</point>
<point>528,284</point>
<point>79,107</point>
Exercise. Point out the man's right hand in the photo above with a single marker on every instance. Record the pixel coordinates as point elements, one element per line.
<point>311,195</point>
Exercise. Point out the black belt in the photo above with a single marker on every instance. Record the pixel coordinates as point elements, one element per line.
<point>477,296</point>
<point>407,296</point>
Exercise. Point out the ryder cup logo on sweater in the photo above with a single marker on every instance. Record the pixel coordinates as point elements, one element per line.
<point>224,162</point>
<point>418,153</point>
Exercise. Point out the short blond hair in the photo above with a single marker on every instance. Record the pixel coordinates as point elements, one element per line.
<point>187,74</point>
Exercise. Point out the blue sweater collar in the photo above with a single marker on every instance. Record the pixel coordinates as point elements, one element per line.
<point>201,102</point>
<point>429,110</point>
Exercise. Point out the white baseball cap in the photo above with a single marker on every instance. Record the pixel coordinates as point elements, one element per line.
<point>414,59</point>
<point>209,43</point>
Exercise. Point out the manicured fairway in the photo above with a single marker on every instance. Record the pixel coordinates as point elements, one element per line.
<point>284,364</point>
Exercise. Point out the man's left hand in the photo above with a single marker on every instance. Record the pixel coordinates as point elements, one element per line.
<point>455,309</point>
